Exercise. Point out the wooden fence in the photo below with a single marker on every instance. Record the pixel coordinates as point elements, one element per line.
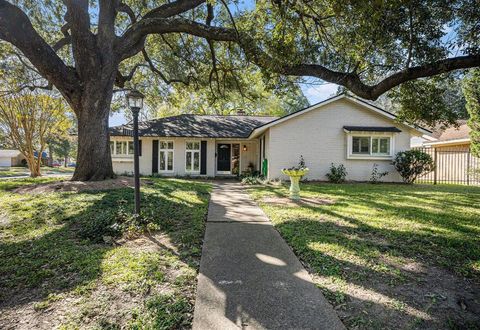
<point>452,167</point>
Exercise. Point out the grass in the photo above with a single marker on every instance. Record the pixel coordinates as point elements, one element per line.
<point>78,260</point>
<point>23,171</point>
<point>382,253</point>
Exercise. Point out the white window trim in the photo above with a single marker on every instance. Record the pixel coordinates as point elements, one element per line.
<point>114,153</point>
<point>351,155</point>
<point>192,151</point>
<point>166,150</point>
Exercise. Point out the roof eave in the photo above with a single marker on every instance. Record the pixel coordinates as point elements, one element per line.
<point>448,142</point>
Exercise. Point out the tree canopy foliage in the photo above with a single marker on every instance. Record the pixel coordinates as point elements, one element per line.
<point>29,120</point>
<point>471,90</point>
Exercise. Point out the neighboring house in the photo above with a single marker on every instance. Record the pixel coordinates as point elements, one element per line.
<point>450,148</point>
<point>452,138</point>
<point>10,158</point>
<point>340,130</point>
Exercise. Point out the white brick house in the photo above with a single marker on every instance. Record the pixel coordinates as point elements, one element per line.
<point>340,130</point>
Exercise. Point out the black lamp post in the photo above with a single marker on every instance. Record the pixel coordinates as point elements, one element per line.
<point>135,102</point>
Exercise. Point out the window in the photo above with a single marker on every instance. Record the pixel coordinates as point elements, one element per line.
<point>166,156</point>
<point>121,148</point>
<point>192,156</point>
<point>361,145</point>
<point>373,146</point>
<point>381,146</point>
<point>130,148</point>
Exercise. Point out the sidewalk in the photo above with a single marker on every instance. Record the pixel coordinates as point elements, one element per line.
<point>249,277</point>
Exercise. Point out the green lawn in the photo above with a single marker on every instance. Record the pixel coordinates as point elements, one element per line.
<point>388,256</point>
<point>59,265</point>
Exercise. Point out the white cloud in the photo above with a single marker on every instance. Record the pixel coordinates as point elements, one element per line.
<point>317,93</point>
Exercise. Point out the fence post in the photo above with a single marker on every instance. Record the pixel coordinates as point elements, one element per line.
<point>435,165</point>
<point>468,167</point>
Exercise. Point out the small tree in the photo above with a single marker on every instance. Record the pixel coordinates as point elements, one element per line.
<point>471,90</point>
<point>28,120</point>
<point>62,146</point>
<point>412,163</point>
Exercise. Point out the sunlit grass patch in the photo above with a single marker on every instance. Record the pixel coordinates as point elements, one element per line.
<point>383,242</point>
<point>80,260</point>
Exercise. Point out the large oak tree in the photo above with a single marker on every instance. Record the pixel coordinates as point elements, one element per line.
<point>369,47</point>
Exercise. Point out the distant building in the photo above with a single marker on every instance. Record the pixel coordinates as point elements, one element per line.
<point>452,138</point>
<point>10,158</point>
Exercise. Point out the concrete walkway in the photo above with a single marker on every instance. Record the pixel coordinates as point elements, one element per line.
<point>249,277</point>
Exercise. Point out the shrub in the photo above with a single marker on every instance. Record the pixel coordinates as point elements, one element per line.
<point>301,163</point>
<point>412,163</point>
<point>337,174</point>
<point>252,179</point>
<point>376,175</point>
<point>300,167</point>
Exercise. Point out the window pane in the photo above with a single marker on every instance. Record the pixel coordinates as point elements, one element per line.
<point>118,148</point>
<point>374,146</point>
<point>196,145</point>
<point>356,145</point>
<point>130,147</point>
<point>360,145</point>
<point>170,145</point>
<point>189,161</point>
<point>163,145</point>
<point>162,161</point>
<point>112,147</point>
<point>385,146</point>
<point>364,145</point>
<point>196,161</point>
<point>170,161</point>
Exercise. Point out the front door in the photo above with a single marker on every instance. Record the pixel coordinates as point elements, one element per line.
<point>223,158</point>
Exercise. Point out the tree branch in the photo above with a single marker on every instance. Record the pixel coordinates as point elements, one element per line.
<point>16,28</point>
<point>144,27</point>
<point>120,79</point>
<point>124,8</point>
<point>83,40</point>
<point>173,8</point>
<point>352,81</point>
<point>162,76</point>
<point>167,10</point>
<point>66,40</point>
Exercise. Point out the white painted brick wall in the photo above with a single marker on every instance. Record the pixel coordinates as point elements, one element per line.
<point>318,135</point>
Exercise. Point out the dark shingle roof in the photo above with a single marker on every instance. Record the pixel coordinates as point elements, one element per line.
<point>371,129</point>
<point>189,125</point>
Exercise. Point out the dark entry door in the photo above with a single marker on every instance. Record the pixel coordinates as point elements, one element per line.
<point>223,157</point>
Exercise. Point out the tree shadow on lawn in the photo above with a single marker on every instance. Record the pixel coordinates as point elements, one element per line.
<point>361,275</point>
<point>69,257</point>
<point>380,276</point>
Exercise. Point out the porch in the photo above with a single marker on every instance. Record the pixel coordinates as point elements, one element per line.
<point>236,157</point>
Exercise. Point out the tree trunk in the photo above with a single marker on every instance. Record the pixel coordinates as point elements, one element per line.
<point>94,162</point>
<point>50,156</point>
<point>32,166</point>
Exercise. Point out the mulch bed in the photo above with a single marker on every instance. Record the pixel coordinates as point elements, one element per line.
<point>77,186</point>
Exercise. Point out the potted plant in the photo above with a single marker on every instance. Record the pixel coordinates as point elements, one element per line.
<point>296,173</point>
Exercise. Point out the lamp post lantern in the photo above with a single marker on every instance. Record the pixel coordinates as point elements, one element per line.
<point>135,102</point>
